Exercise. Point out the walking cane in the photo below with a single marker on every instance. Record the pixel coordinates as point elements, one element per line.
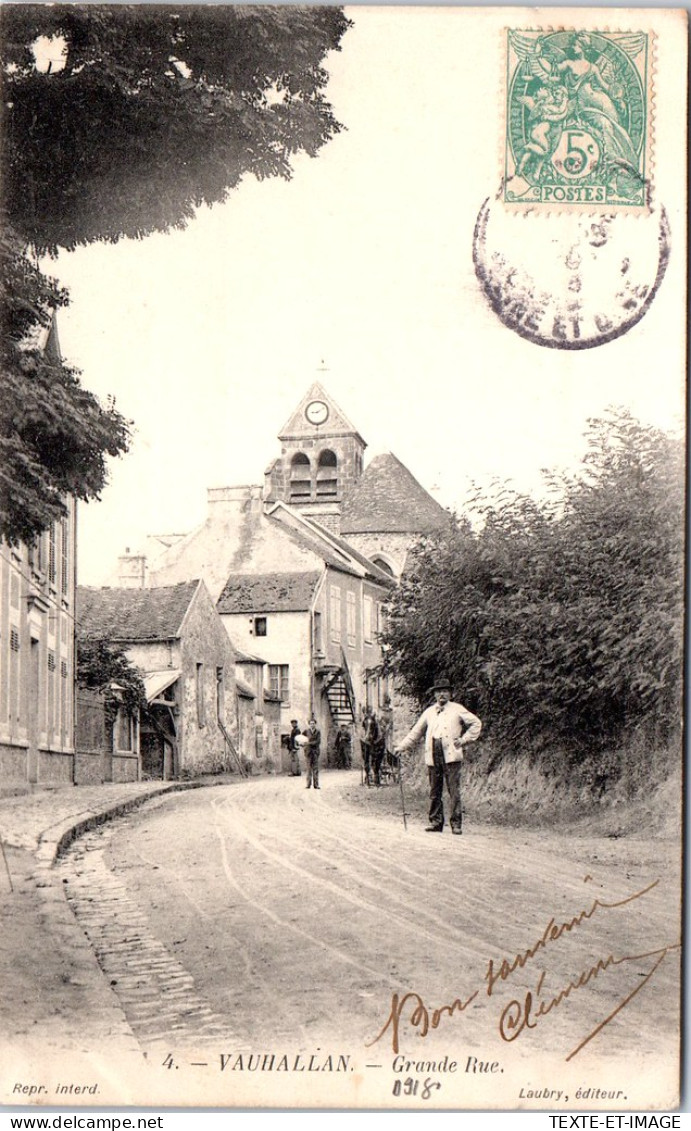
<point>400,782</point>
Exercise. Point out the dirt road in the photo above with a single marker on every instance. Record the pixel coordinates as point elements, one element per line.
<point>280,918</point>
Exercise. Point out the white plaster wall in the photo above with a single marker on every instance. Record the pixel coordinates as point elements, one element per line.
<point>287,642</point>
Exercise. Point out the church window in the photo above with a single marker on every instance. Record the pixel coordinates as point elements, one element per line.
<point>327,475</point>
<point>384,566</point>
<point>300,478</point>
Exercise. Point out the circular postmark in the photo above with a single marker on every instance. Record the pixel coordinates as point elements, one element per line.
<point>570,281</point>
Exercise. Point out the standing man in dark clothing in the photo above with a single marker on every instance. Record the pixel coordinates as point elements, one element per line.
<point>378,751</point>
<point>342,748</point>
<point>370,737</point>
<point>293,748</point>
<point>386,734</point>
<point>447,727</point>
<point>312,752</point>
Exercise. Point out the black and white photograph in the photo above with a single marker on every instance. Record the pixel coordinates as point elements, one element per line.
<point>342,557</point>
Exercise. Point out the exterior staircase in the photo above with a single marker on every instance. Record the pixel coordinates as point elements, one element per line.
<point>339,691</point>
<point>339,700</point>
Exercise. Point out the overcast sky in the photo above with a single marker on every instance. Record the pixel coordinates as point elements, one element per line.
<point>360,265</point>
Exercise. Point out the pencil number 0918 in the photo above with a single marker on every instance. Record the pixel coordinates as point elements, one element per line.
<point>412,1086</point>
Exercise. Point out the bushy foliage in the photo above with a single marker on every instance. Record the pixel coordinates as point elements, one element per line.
<point>55,436</point>
<point>560,621</point>
<point>144,113</point>
<point>104,667</point>
<point>154,110</point>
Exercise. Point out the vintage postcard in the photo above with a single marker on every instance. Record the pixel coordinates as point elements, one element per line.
<point>341,717</point>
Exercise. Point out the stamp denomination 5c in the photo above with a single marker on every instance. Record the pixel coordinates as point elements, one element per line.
<point>577,118</point>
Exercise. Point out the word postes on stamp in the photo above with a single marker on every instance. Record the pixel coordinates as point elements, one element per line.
<point>577,119</point>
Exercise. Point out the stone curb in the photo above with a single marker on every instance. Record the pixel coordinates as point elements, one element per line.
<point>53,845</point>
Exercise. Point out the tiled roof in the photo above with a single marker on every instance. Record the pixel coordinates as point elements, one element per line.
<point>155,683</point>
<point>268,592</point>
<point>129,615</point>
<point>247,657</point>
<point>309,539</point>
<point>334,551</point>
<point>389,499</point>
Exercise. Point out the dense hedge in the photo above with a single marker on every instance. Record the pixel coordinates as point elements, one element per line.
<point>560,621</point>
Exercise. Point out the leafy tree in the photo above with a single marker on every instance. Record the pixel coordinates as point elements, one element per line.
<point>104,667</point>
<point>153,111</point>
<point>54,434</point>
<point>143,114</point>
<point>561,621</point>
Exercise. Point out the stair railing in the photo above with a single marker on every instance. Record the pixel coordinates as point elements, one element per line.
<point>350,691</point>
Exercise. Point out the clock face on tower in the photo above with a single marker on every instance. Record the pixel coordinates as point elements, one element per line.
<point>317,412</point>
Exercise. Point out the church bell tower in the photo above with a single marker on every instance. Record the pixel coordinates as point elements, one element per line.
<point>321,459</point>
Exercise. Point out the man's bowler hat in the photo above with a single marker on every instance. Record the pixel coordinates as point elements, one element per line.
<point>442,684</point>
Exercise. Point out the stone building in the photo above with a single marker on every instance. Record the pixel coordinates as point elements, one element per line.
<point>37,596</point>
<point>292,593</point>
<point>174,636</point>
<point>301,569</point>
<point>37,584</point>
<point>259,715</point>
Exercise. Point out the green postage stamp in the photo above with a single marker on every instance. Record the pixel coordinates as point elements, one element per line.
<point>577,118</point>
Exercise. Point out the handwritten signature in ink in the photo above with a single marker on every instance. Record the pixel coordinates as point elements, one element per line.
<point>520,1015</point>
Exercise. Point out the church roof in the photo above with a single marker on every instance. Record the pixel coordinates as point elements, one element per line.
<point>372,570</point>
<point>307,538</point>
<point>389,499</point>
<point>268,592</point>
<point>334,551</point>
<point>133,615</point>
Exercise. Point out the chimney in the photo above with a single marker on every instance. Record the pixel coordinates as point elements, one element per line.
<point>132,570</point>
<point>246,497</point>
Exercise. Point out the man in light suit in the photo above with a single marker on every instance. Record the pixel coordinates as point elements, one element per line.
<point>447,727</point>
